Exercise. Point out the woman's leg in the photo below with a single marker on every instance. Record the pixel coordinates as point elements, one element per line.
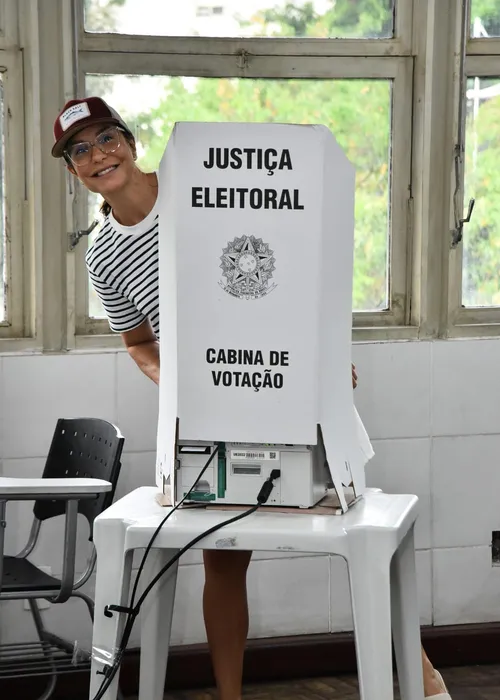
<point>433,684</point>
<point>225,610</point>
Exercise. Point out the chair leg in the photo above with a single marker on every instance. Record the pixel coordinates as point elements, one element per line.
<point>405,620</point>
<point>40,629</point>
<point>87,600</point>
<point>369,579</point>
<point>114,567</point>
<point>156,624</point>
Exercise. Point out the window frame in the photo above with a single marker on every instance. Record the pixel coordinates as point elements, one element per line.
<point>16,325</point>
<point>399,45</point>
<point>482,59</point>
<point>272,58</point>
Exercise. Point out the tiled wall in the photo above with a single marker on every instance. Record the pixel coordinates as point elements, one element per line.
<point>432,411</point>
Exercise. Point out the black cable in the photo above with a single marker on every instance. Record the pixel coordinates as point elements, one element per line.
<point>130,616</point>
<point>155,534</point>
<point>133,611</point>
<point>190,544</point>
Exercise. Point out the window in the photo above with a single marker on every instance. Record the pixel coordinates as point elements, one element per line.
<point>252,18</point>
<point>15,302</point>
<point>477,267</point>
<point>4,253</point>
<point>12,262</point>
<point>363,95</point>
<point>364,132</point>
<point>484,19</point>
<point>381,74</point>
<point>481,246</point>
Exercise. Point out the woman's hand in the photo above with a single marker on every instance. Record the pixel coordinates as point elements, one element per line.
<point>354,377</point>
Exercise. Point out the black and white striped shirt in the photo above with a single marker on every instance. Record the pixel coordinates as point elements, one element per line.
<point>123,268</point>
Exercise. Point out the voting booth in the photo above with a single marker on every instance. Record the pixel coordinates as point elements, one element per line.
<point>256,258</point>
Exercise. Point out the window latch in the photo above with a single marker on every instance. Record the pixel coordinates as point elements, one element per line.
<point>75,236</point>
<point>458,231</point>
<point>457,234</point>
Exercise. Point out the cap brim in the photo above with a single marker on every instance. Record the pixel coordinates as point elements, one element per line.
<point>59,146</point>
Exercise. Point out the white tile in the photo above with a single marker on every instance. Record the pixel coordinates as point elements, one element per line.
<point>403,466</point>
<point>137,405</point>
<point>37,390</point>
<point>192,556</point>
<point>138,469</point>
<point>2,446</point>
<point>340,601</point>
<point>424,583</point>
<point>393,393</point>
<point>465,476</point>
<point>286,597</point>
<point>289,596</point>
<point>49,550</point>
<point>17,624</point>
<point>466,586</point>
<point>465,387</point>
<point>188,626</point>
<point>340,596</point>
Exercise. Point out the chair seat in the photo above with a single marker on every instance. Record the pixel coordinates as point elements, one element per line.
<point>21,575</point>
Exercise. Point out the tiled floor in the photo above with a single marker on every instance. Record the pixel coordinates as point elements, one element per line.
<point>471,683</point>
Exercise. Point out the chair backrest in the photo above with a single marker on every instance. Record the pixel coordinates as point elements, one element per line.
<point>85,448</point>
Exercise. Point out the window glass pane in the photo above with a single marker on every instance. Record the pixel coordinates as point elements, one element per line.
<point>3,230</point>
<point>224,18</point>
<point>481,243</point>
<point>358,112</point>
<point>485,18</point>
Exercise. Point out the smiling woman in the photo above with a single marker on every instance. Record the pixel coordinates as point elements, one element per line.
<point>99,149</point>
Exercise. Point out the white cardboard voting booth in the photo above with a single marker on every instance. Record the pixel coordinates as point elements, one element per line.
<point>256,256</point>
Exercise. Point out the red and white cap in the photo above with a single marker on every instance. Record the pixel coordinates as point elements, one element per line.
<point>78,114</point>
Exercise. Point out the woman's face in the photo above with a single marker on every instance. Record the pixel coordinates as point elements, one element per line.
<point>103,173</point>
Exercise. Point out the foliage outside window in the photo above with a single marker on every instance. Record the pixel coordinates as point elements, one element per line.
<point>358,111</point>
<point>481,246</point>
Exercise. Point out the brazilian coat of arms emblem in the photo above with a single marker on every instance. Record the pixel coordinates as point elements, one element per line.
<point>247,265</point>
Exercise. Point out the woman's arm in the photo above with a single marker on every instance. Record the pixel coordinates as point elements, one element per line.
<point>144,349</point>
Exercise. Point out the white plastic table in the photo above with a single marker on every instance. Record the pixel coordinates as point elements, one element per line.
<point>375,538</point>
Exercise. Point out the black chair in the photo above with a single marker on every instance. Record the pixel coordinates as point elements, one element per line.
<point>80,476</point>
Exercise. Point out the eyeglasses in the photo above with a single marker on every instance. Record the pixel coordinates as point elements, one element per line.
<point>107,141</point>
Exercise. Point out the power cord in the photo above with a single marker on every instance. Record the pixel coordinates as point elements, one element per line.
<point>110,672</point>
<point>133,609</point>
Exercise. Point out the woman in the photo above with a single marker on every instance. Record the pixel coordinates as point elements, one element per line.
<point>99,149</point>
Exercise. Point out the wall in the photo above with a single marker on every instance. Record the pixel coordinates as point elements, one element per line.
<point>432,411</point>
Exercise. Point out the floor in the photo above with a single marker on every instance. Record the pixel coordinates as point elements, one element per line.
<point>471,683</point>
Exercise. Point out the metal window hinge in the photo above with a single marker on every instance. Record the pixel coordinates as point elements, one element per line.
<point>75,236</point>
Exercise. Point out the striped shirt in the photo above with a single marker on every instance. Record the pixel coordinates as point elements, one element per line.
<point>123,268</point>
